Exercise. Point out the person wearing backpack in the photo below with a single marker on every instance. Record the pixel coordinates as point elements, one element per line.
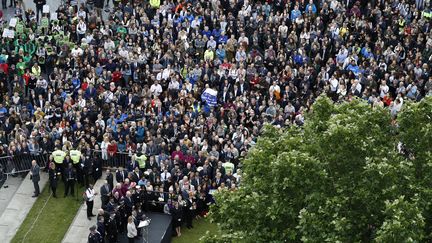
<point>89,197</point>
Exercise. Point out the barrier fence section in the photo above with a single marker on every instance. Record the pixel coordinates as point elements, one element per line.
<point>21,163</point>
<point>119,159</point>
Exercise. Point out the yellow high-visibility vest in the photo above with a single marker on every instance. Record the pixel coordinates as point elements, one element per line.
<point>141,161</point>
<point>155,3</point>
<point>75,156</point>
<point>58,156</point>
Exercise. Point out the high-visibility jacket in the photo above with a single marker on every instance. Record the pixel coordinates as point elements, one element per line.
<point>228,167</point>
<point>155,3</point>
<point>75,156</point>
<point>58,156</point>
<point>427,14</point>
<point>141,161</point>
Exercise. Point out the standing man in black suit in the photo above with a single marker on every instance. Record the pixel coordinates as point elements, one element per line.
<point>121,175</point>
<point>70,180</point>
<point>110,179</point>
<point>105,194</point>
<point>35,177</point>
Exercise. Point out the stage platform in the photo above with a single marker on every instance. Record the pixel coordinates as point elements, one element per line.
<point>160,230</point>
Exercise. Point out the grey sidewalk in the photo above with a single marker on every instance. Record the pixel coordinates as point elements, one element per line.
<point>8,190</point>
<point>79,229</point>
<point>18,207</point>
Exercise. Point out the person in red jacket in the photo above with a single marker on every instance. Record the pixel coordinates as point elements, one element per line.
<point>112,151</point>
<point>178,153</point>
<point>116,75</point>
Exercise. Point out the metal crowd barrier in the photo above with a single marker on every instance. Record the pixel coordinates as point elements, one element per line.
<point>120,159</point>
<point>21,163</point>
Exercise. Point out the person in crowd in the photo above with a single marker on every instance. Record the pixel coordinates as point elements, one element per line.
<point>70,178</point>
<point>35,177</point>
<point>53,178</point>
<point>90,195</point>
<point>131,230</point>
<point>105,193</point>
<point>94,236</point>
<point>177,215</point>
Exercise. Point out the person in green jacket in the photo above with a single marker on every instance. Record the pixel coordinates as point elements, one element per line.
<point>21,66</point>
<point>141,161</point>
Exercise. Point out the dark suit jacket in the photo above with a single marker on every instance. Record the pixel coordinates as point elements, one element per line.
<point>135,177</point>
<point>104,192</point>
<point>119,176</point>
<point>110,180</point>
<point>70,174</point>
<point>35,173</point>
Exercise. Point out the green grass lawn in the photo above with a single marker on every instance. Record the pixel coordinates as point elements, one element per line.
<point>54,220</point>
<point>200,227</point>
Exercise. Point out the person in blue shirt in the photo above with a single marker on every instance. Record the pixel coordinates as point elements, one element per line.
<point>353,67</point>
<point>312,6</point>
<point>3,112</point>
<point>295,13</point>
<point>177,19</point>
<point>216,33</point>
<point>76,82</point>
<point>220,53</point>
<point>190,17</point>
<point>222,38</point>
<point>366,52</point>
<point>206,32</point>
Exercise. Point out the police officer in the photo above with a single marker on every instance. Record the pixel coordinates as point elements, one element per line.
<point>75,156</point>
<point>58,157</point>
<point>94,236</point>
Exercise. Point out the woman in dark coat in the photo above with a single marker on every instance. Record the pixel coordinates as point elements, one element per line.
<point>53,176</point>
<point>177,215</point>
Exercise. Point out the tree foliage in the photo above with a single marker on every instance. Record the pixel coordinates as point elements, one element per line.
<point>339,178</point>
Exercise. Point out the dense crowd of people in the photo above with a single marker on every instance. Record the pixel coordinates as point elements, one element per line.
<point>128,77</point>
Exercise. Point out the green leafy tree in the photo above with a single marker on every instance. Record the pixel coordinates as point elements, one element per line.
<point>339,178</point>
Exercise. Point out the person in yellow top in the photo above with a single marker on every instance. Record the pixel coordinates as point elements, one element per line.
<point>36,70</point>
<point>209,54</point>
<point>344,30</point>
<point>141,161</point>
<point>155,3</point>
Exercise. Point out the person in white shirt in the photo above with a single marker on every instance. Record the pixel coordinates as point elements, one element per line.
<point>109,45</point>
<point>165,175</point>
<point>81,29</point>
<point>195,24</point>
<point>166,73</point>
<point>156,88</point>
<point>131,230</point>
<point>77,51</point>
<point>356,87</point>
<point>334,83</point>
<point>90,196</point>
<point>384,89</point>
